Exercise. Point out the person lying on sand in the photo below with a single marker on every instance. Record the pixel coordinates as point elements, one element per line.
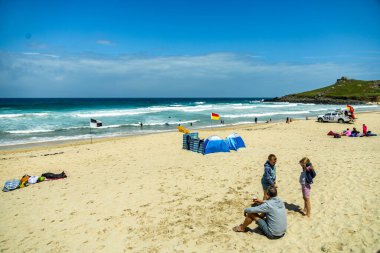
<point>269,214</point>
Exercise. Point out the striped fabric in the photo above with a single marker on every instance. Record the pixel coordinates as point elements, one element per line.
<point>195,144</point>
<point>184,139</point>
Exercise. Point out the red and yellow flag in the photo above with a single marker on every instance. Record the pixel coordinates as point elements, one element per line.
<point>215,116</point>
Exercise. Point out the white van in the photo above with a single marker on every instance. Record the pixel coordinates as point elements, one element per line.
<point>337,116</point>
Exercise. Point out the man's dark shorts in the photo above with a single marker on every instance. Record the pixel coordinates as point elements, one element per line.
<point>264,227</point>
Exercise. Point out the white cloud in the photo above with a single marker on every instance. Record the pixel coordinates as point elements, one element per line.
<point>221,74</point>
<point>39,54</point>
<point>105,42</point>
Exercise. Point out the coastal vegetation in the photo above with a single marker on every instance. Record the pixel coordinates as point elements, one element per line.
<point>343,91</point>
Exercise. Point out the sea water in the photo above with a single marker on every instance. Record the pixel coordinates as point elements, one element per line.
<point>52,119</point>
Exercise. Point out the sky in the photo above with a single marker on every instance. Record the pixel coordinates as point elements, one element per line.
<point>184,48</point>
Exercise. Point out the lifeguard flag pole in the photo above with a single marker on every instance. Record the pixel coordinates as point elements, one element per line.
<point>90,133</point>
<point>214,116</point>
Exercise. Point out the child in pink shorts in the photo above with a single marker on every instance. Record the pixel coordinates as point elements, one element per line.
<point>306,179</point>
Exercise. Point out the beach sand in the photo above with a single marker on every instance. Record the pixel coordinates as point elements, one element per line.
<point>146,194</point>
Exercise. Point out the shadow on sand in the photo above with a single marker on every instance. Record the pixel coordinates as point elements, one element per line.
<point>256,230</point>
<point>293,208</point>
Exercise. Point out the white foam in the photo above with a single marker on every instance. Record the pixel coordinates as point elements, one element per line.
<point>10,115</point>
<point>110,113</point>
<point>197,108</point>
<point>249,115</point>
<point>321,109</point>
<point>278,105</point>
<point>16,115</point>
<point>244,107</point>
<point>365,106</point>
<point>161,123</point>
<point>169,123</point>
<point>30,131</point>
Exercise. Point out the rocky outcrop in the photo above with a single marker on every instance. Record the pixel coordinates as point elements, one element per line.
<point>344,91</point>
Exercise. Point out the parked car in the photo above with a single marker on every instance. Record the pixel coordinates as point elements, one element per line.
<point>337,116</point>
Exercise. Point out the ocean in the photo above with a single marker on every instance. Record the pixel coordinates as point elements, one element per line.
<point>56,119</point>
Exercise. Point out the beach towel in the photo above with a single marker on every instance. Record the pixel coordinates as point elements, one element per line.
<point>11,185</point>
<point>331,133</point>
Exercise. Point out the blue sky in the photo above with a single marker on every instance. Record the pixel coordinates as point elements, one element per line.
<point>184,48</point>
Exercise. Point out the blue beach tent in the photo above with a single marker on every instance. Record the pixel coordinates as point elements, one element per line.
<point>234,141</point>
<point>214,144</point>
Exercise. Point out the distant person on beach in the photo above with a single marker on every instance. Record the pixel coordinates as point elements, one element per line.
<point>191,123</point>
<point>141,125</point>
<point>287,119</point>
<point>306,179</point>
<point>347,132</point>
<point>269,176</point>
<point>256,120</point>
<point>270,215</point>
<point>270,119</point>
<point>365,130</point>
<point>354,132</point>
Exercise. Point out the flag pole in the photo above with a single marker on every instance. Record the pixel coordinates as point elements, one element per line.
<point>90,133</point>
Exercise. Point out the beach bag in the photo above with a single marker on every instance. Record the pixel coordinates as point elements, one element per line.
<point>11,185</point>
<point>25,179</point>
<point>33,179</point>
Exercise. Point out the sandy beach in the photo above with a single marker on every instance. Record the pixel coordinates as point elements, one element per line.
<point>147,194</point>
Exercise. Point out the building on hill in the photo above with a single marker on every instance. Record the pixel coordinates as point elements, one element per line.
<point>342,79</point>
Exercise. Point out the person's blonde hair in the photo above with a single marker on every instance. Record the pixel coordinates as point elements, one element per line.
<point>305,160</point>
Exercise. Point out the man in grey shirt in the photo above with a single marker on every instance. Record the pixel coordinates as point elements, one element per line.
<point>270,215</point>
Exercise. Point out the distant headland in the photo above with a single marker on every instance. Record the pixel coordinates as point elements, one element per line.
<point>344,91</point>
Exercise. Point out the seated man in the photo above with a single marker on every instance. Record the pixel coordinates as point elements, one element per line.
<point>354,132</point>
<point>272,220</point>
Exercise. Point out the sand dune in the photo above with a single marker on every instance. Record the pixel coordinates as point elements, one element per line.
<point>146,194</point>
